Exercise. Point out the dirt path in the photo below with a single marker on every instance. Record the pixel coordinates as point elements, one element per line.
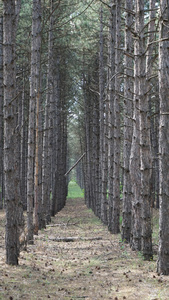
<point>95,266</point>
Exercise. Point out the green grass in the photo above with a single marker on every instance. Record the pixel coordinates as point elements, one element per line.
<point>74,191</point>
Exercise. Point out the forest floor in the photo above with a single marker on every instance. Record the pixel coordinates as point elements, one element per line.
<point>96,265</point>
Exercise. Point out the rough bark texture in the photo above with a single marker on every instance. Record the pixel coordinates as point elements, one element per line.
<point>156,150</point>
<point>40,149</point>
<point>128,110</point>
<point>1,113</point>
<point>34,91</point>
<point>88,118</point>
<point>64,188</point>
<point>111,88</point>
<point>95,159</point>
<point>104,171</point>
<point>18,110</point>
<point>163,259</point>
<point>154,129</point>
<point>145,146</point>
<point>38,144</point>
<point>56,137</point>
<point>46,160</point>
<point>135,174</point>
<point>59,146</point>
<point>115,224</point>
<point>23,148</point>
<point>101,124</point>
<point>45,163</point>
<point>103,131</point>
<point>10,164</point>
<point>61,150</point>
<point>153,98</point>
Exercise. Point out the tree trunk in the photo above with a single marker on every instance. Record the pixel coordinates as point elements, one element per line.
<point>60,188</point>
<point>63,190</point>
<point>10,142</point>
<point>56,137</point>
<point>135,173</point>
<point>115,223</point>
<point>128,110</point>
<point>163,258</point>
<point>34,94</point>
<point>96,160</point>
<point>111,93</point>
<point>153,98</point>
<point>101,113</point>
<point>88,178</point>
<point>18,118</point>
<point>22,147</point>
<point>40,148</point>
<point>1,113</point>
<point>46,183</point>
<point>46,160</point>
<point>38,142</point>
<point>145,145</point>
<point>36,202</point>
<point>103,131</point>
<point>156,151</point>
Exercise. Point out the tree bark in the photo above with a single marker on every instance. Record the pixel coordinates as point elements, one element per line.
<point>1,113</point>
<point>38,141</point>
<point>103,131</point>
<point>115,223</point>
<point>10,163</point>
<point>163,258</point>
<point>95,140</point>
<point>76,163</point>
<point>153,98</point>
<point>88,110</point>
<point>128,111</point>
<point>156,150</point>
<point>111,93</point>
<point>135,173</point>
<point>34,92</point>
<point>47,144</point>
<point>22,147</point>
<point>145,145</point>
<point>64,155</point>
<point>56,137</point>
<point>101,123</point>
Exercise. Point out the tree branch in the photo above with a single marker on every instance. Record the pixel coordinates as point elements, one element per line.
<point>75,164</point>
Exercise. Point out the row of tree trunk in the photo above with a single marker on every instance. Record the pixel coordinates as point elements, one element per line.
<point>126,126</point>
<point>125,168</point>
<point>33,156</point>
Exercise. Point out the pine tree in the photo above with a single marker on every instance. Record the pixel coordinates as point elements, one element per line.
<point>145,146</point>
<point>163,259</point>
<point>115,223</point>
<point>128,110</point>
<point>135,173</point>
<point>111,94</point>
<point>34,99</point>
<point>10,134</point>
<point>1,113</point>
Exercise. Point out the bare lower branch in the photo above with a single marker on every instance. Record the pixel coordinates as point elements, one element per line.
<point>74,165</point>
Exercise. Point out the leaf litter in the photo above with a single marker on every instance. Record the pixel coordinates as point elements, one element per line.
<point>76,257</point>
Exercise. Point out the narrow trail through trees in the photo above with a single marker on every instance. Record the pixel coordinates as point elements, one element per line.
<point>76,257</point>
<point>88,80</point>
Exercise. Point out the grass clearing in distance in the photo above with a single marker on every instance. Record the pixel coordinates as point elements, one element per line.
<point>74,190</point>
